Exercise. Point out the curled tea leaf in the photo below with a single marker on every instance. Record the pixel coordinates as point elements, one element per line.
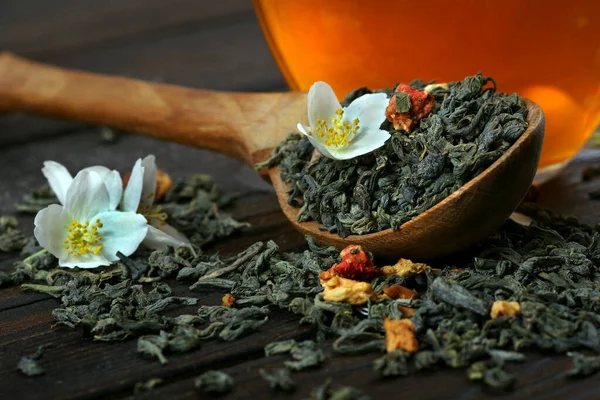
<point>146,386</point>
<point>457,296</point>
<point>11,238</point>
<point>214,382</point>
<point>153,346</point>
<point>326,392</point>
<point>30,366</point>
<point>584,365</point>
<point>279,379</point>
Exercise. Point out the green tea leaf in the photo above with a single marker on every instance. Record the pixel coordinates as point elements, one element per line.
<point>403,103</point>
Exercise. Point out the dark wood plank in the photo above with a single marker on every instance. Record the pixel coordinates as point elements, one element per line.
<point>568,194</point>
<point>541,377</point>
<point>232,56</point>
<point>13,297</point>
<point>51,27</point>
<point>80,368</point>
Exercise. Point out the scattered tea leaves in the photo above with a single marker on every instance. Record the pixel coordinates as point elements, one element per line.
<point>194,208</point>
<point>214,382</point>
<point>471,126</point>
<point>11,238</point>
<point>146,386</point>
<point>30,366</point>
<point>35,267</point>
<point>584,365</point>
<point>279,379</point>
<point>395,363</point>
<point>326,392</point>
<point>37,200</point>
<point>498,378</point>
<point>305,354</point>
<point>153,346</point>
<point>457,296</point>
<point>551,269</point>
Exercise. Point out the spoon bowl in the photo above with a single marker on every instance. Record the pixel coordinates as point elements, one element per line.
<point>249,126</point>
<point>468,215</point>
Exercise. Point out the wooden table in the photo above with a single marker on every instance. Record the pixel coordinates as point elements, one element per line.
<point>203,44</point>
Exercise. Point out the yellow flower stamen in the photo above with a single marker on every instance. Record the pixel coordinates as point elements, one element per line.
<point>152,212</point>
<point>83,239</point>
<point>338,133</point>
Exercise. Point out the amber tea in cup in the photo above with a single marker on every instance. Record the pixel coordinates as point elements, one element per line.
<point>548,51</point>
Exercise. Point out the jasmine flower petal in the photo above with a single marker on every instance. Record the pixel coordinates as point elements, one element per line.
<point>314,141</point>
<point>87,196</point>
<point>174,233</point>
<point>113,182</point>
<point>322,103</point>
<point>50,229</point>
<point>159,238</point>
<point>370,111</point>
<point>149,180</point>
<point>368,142</point>
<point>133,191</point>
<point>58,178</point>
<point>340,133</point>
<point>121,232</point>
<point>83,261</point>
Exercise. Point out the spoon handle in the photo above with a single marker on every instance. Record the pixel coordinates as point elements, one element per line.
<point>221,121</point>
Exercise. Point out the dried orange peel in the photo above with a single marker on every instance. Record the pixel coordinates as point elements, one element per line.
<point>342,290</point>
<point>502,307</point>
<point>400,335</point>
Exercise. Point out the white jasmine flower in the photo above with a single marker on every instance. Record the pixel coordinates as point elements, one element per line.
<point>139,196</point>
<point>60,179</point>
<point>344,133</point>
<point>87,232</point>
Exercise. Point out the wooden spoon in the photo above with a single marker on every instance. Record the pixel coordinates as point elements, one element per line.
<point>249,125</point>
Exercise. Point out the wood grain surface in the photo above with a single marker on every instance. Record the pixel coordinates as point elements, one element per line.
<point>208,45</point>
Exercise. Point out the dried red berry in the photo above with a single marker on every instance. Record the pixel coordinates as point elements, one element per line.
<point>421,104</point>
<point>356,265</point>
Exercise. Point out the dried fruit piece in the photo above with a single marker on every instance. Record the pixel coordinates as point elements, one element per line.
<point>405,268</point>
<point>400,335</point>
<point>327,275</point>
<point>163,184</point>
<point>407,311</point>
<point>404,117</point>
<point>355,265</point>
<point>228,300</point>
<point>355,253</point>
<point>432,86</point>
<point>399,292</point>
<point>503,307</point>
<point>342,290</point>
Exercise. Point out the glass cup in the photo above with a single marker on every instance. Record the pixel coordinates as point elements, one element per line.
<point>547,51</point>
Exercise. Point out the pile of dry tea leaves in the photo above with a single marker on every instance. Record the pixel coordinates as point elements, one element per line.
<point>545,278</point>
<point>470,127</point>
